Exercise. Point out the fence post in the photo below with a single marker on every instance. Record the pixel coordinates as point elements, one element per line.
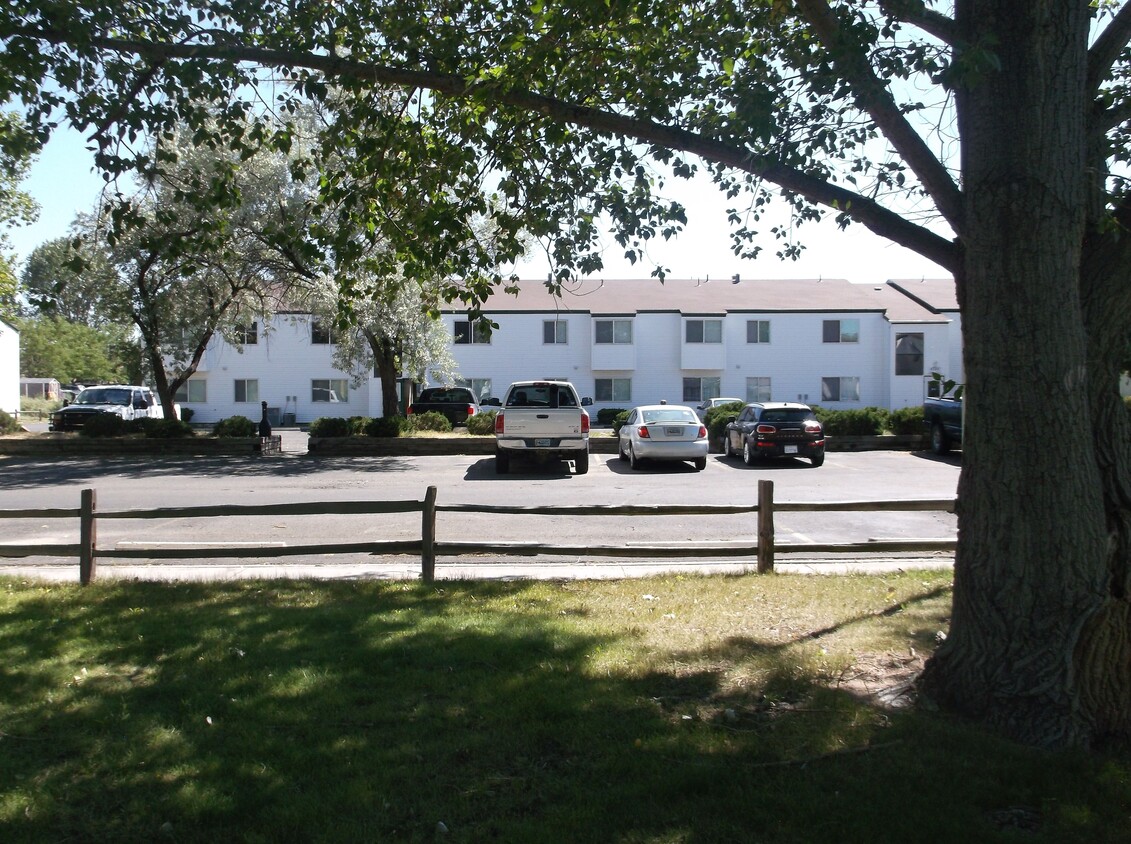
<point>88,532</point>
<point>428,536</point>
<point>765,526</point>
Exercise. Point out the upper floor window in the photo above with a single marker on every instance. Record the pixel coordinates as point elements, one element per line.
<point>703,330</point>
<point>322,332</point>
<point>613,331</point>
<point>246,333</point>
<point>554,331</point>
<point>472,332</point>
<point>841,331</point>
<point>909,354</point>
<point>757,331</point>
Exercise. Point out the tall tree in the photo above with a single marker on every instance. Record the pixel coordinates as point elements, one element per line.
<point>61,278</point>
<point>17,150</point>
<point>72,352</point>
<point>1004,123</point>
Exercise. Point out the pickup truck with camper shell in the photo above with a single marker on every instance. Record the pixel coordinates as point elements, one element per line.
<point>454,403</point>
<point>124,401</point>
<point>542,420</point>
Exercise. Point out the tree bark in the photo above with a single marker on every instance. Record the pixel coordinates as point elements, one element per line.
<point>386,361</point>
<point>1030,606</point>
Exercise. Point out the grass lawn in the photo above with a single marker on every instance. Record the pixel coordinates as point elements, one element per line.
<point>672,709</point>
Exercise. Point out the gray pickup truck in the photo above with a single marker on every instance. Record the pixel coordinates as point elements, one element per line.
<point>455,403</point>
<point>542,420</point>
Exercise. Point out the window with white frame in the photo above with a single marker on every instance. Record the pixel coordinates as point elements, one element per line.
<point>909,354</point>
<point>247,390</point>
<point>472,332</point>
<point>193,391</point>
<point>841,331</point>
<point>481,387</point>
<point>554,331</point>
<point>840,389</point>
<point>322,332</point>
<point>329,390</point>
<point>757,331</point>
<point>246,333</point>
<point>701,389</point>
<point>612,389</point>
<point>703,331</point>
<point>758,389</point>
<point>617,331</point>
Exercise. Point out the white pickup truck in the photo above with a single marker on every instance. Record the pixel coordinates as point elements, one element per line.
<point>542,420</point>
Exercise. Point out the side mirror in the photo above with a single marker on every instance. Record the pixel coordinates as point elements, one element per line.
<point>731,419</point>
<point>586,401</point>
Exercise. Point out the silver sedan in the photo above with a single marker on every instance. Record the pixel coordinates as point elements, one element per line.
<point>663,432</point>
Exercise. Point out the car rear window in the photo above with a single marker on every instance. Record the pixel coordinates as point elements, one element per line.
<point>655,416</point>
<point>786,415</point>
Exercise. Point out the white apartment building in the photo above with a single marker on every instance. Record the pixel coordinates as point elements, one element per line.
<point>9,369</point>
<point>626,342</point>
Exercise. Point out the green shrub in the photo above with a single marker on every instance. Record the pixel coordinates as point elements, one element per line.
<point>608,415</point>
<point>235,426</point>
<point>482,423</point>
<point>103,425</point>
<point>432,420</point>
<point>863,422</point>
<point>161,429</point>
<point>186,414</point>
<point>619,420</point>
<point>8,423</point>
<point>386,426</point>
<point>331,426</point>
<point>906,420</point>
<point>716,419</point>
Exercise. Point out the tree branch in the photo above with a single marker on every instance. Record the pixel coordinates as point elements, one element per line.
<point>873,97</point>
<point>871,214</point>
<point>1106,49</point>
<point>917,14</point>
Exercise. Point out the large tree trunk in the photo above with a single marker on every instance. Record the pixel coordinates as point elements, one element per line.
<point>1032,569</point>
<point>387,363</point>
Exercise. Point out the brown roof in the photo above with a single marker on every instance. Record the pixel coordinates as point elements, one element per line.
<point>708,298</point>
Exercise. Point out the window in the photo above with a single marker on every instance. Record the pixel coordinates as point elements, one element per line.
<point>758,389</point>
<point>840,389</point>
<point>841,331</point>
<point>322,332</point>
<point>480,386</point>
<point>757,331</point>
<point>909,354</point>
<point>554,331</point>
<point>329,390</point>
<point>193,391</point>
<point>468,332</point>
<point>246,333</point>
<point>613,331</point>
<point>247,390</point>
<point>703,331</point>
<point>699,389</point>
<point>612,389</point>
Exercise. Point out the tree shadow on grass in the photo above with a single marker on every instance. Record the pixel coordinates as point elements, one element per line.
<point>292,711</point>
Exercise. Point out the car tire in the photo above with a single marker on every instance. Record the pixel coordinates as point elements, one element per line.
<point>581,463</point>
<point>940,442</point>
<point>748,453</point>
<point>700,464</point>
<point>620,452</point>
<point>818,458</point>
<point>502,464</point>
<point>633,460</point>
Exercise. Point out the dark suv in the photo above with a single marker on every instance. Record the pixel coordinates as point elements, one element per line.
<point>775,429</point>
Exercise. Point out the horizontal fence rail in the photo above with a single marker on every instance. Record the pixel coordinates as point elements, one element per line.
<point>428,547</point>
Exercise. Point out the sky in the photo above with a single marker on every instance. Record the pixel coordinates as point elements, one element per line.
<point>62,182</point>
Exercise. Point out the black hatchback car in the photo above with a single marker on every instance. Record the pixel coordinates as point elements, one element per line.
<point>775,429</point>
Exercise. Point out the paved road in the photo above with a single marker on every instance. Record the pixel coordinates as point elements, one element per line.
<point>138,483</point>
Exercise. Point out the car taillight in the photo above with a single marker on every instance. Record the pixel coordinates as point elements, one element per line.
<point>812,427</point>
<point>498,423</point>
<point>644,435</point>
<point>766,429</point>
<point>584,422</point>
<point>409,411</point>
<point>471,410</point>
<point>702,431</point>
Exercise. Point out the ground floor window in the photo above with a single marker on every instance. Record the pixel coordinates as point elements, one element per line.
<point>758,389</point>
<point>193,391</point>
<point>247,390</point>
<point>840,389</point>
<point>481,387</point>
<point>329,390</point>
<point>701,389</point>
<point>612,389</point>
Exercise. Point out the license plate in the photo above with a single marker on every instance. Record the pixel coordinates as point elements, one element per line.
<point>790,449</point>
<point>545,443</point>
<point>674,432</point>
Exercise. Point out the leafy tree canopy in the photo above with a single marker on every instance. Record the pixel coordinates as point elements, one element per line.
<point>52,347</point>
